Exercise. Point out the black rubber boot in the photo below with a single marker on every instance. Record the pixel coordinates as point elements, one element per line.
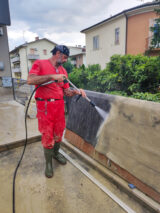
<point>58,156</point>
<point>48,154</point>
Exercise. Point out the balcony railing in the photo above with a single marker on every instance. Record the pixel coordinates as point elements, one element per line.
<point>32,57</point>
<point>73,62</point>
<point>15,59</point>
<point>15,70</point>
<point>148,43</point>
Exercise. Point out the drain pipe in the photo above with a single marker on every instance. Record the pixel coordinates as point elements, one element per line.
<point>126,33</point>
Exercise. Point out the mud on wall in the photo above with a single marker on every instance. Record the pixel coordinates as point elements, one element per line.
<point>130,136</point>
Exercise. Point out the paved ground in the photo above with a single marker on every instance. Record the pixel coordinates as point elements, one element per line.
<point>69,191</point>
<point>12,126</point>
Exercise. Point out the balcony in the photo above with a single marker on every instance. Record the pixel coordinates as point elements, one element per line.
<point>16,70</point>
<point>73,62</point>
<point>148,43</point>
<point>154,51</point>
<point>15,59</point>
<point>32,57</point>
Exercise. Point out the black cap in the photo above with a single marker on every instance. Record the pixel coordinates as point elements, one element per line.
<point>62,48</point>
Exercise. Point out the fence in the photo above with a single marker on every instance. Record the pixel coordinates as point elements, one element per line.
<point>21,90</point>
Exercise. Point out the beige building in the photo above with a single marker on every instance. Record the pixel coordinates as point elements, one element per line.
<point>102,43</point>
<point>115,35</point>
<point>23,56</point>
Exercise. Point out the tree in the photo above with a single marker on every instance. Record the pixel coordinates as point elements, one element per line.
<point>68,66</point>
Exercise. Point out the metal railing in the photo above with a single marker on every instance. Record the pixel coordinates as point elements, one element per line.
<point>148,43</point>
<point>21,90</point>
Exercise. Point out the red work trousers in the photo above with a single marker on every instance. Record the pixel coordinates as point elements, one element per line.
<point>51,121</point>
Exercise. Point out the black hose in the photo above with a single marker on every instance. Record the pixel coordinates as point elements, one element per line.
<point>15,172</point>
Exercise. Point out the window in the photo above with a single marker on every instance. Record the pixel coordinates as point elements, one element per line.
<point>95,42</point>
<point>45,52</point>
<point>154,34</point>
<point>117,35</point>
<point>32,51</point>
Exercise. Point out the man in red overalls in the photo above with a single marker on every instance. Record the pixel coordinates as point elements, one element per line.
<point>50,103</point>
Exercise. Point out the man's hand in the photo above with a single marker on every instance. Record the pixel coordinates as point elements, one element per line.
<point>81,92</point>
<point>58,77</point>
<point>72,92</point>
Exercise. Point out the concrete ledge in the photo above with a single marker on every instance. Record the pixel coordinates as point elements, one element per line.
<point>19,143</point>
<point>77,141</point>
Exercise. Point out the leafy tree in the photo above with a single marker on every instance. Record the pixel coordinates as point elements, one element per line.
<point>68,66</point>
<point>133,74</point>
<point>136,76</point>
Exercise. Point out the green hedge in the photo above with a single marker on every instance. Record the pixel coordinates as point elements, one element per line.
<point>135,76</point>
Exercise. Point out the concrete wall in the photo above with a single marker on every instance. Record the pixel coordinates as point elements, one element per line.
<point>128,138</point>
<point>107,46</point>
<point>4,58</point>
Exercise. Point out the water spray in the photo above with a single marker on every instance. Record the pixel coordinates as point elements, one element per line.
<point>101,112</point>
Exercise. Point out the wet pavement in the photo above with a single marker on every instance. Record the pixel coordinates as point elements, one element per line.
<point>12,120</point>
<point>69,191</point>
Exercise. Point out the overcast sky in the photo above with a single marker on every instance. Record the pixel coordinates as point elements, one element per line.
<point>60,21</point>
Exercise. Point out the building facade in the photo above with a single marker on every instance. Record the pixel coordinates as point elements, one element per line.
<point>23,56</point>
<point>5,71</point>
<point>139,35</point>
<point>127,32</point>
<point>104,40</point>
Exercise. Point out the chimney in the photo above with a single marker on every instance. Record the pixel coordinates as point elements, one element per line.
<point>36,38</point>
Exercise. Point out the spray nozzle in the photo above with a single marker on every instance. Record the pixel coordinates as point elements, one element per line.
<point>92,103</point>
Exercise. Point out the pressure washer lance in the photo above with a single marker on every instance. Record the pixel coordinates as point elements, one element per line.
<point>91,102</point>
<point>67,80</point>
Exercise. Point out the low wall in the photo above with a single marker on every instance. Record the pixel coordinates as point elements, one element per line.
<point>127,142</point>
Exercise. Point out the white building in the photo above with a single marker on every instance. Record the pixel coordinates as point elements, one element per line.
<point>105,39</point>
<point>123,33</point>
<point>77,55</point>
<point>23,56</point>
